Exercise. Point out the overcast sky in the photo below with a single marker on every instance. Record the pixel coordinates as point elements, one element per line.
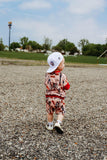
<point>55,19</point>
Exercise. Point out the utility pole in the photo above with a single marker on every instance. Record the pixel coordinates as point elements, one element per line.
<point>9,24</point>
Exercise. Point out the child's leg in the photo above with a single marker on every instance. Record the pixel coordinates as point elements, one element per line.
<point>60,117</point>
<point>58,124</point>
<point>49,126</point>
<point>50,117</point>
<point>60,111</point>
<point>50,111</point>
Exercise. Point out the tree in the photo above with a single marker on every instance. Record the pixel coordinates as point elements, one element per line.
<point>47,43</point>
<point>93,49</point>
<point>82,43</point>
<point>71,47</point>
<point>65,45</point>
<point>74,50</point>
<point>57,48</point>
<point>34,45</point>
<point>1,45</point>
<point>1,41</point>
<point>14,45</point>
<point>24,42</point>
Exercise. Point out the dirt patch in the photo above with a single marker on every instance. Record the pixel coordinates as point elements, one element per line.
<point>7,61</point>
<point>23,116</point>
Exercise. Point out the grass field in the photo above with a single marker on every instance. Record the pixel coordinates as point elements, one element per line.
<point>41,56</point>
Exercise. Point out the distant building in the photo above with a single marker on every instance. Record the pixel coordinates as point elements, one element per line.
<point>6,48</point>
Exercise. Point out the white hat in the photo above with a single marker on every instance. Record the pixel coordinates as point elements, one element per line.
<point>54,60</point>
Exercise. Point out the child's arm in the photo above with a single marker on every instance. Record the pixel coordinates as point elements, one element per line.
<point>66,84</point>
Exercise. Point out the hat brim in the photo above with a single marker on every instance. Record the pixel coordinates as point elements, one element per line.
<point>51,69</point>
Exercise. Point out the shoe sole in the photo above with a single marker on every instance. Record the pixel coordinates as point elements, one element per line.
<point>49,129</point>
<point>58,129</point>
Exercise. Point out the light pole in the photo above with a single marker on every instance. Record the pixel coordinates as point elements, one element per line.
<point>9,24</point>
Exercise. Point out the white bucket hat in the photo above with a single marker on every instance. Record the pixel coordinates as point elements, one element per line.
<point>54,60</point>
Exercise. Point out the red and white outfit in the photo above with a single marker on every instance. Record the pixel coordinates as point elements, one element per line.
<point>56,84</point>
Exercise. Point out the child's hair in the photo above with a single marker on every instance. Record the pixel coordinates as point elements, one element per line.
<point>54,60</point>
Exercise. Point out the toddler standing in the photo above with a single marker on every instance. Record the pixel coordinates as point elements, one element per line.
<point>56,84</point>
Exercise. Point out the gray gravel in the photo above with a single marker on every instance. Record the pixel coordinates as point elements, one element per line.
<point>23,116</point>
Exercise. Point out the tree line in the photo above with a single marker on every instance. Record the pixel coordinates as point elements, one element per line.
<point>64,45</point>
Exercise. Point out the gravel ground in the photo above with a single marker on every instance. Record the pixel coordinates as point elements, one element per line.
<point>23,116</point>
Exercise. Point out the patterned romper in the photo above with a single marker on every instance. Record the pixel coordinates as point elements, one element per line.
<point>55,92</point>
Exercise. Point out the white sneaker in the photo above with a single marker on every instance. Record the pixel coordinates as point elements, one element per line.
<point>49,127</point>
<point>58,128</point>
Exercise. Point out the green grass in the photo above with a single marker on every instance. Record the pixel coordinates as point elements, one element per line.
<point>23,55</point>
<point>42,57</point>
<point>86,59</point>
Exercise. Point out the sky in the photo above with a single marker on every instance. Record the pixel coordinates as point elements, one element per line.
<point>56,19</point>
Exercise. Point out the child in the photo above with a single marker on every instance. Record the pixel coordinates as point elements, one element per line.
<point>56,84</point>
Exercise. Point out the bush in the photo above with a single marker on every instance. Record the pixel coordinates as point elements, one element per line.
<point>2,47</point>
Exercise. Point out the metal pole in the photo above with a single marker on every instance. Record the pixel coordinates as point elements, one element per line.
<point>9,24</point>
<point>102,54</point>
<point>9,37</point>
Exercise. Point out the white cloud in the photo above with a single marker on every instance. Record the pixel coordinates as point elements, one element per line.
<point>36,30</point>
<point>41,4</point>
<point>88,29</point>
<point>84,6</point>
<point>76,20</point>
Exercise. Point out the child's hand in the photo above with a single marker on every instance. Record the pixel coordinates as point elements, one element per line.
<point>67,86</point>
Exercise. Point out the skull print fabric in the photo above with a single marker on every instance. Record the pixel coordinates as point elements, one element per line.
<point>55,83</point>
<point>55,104</point>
